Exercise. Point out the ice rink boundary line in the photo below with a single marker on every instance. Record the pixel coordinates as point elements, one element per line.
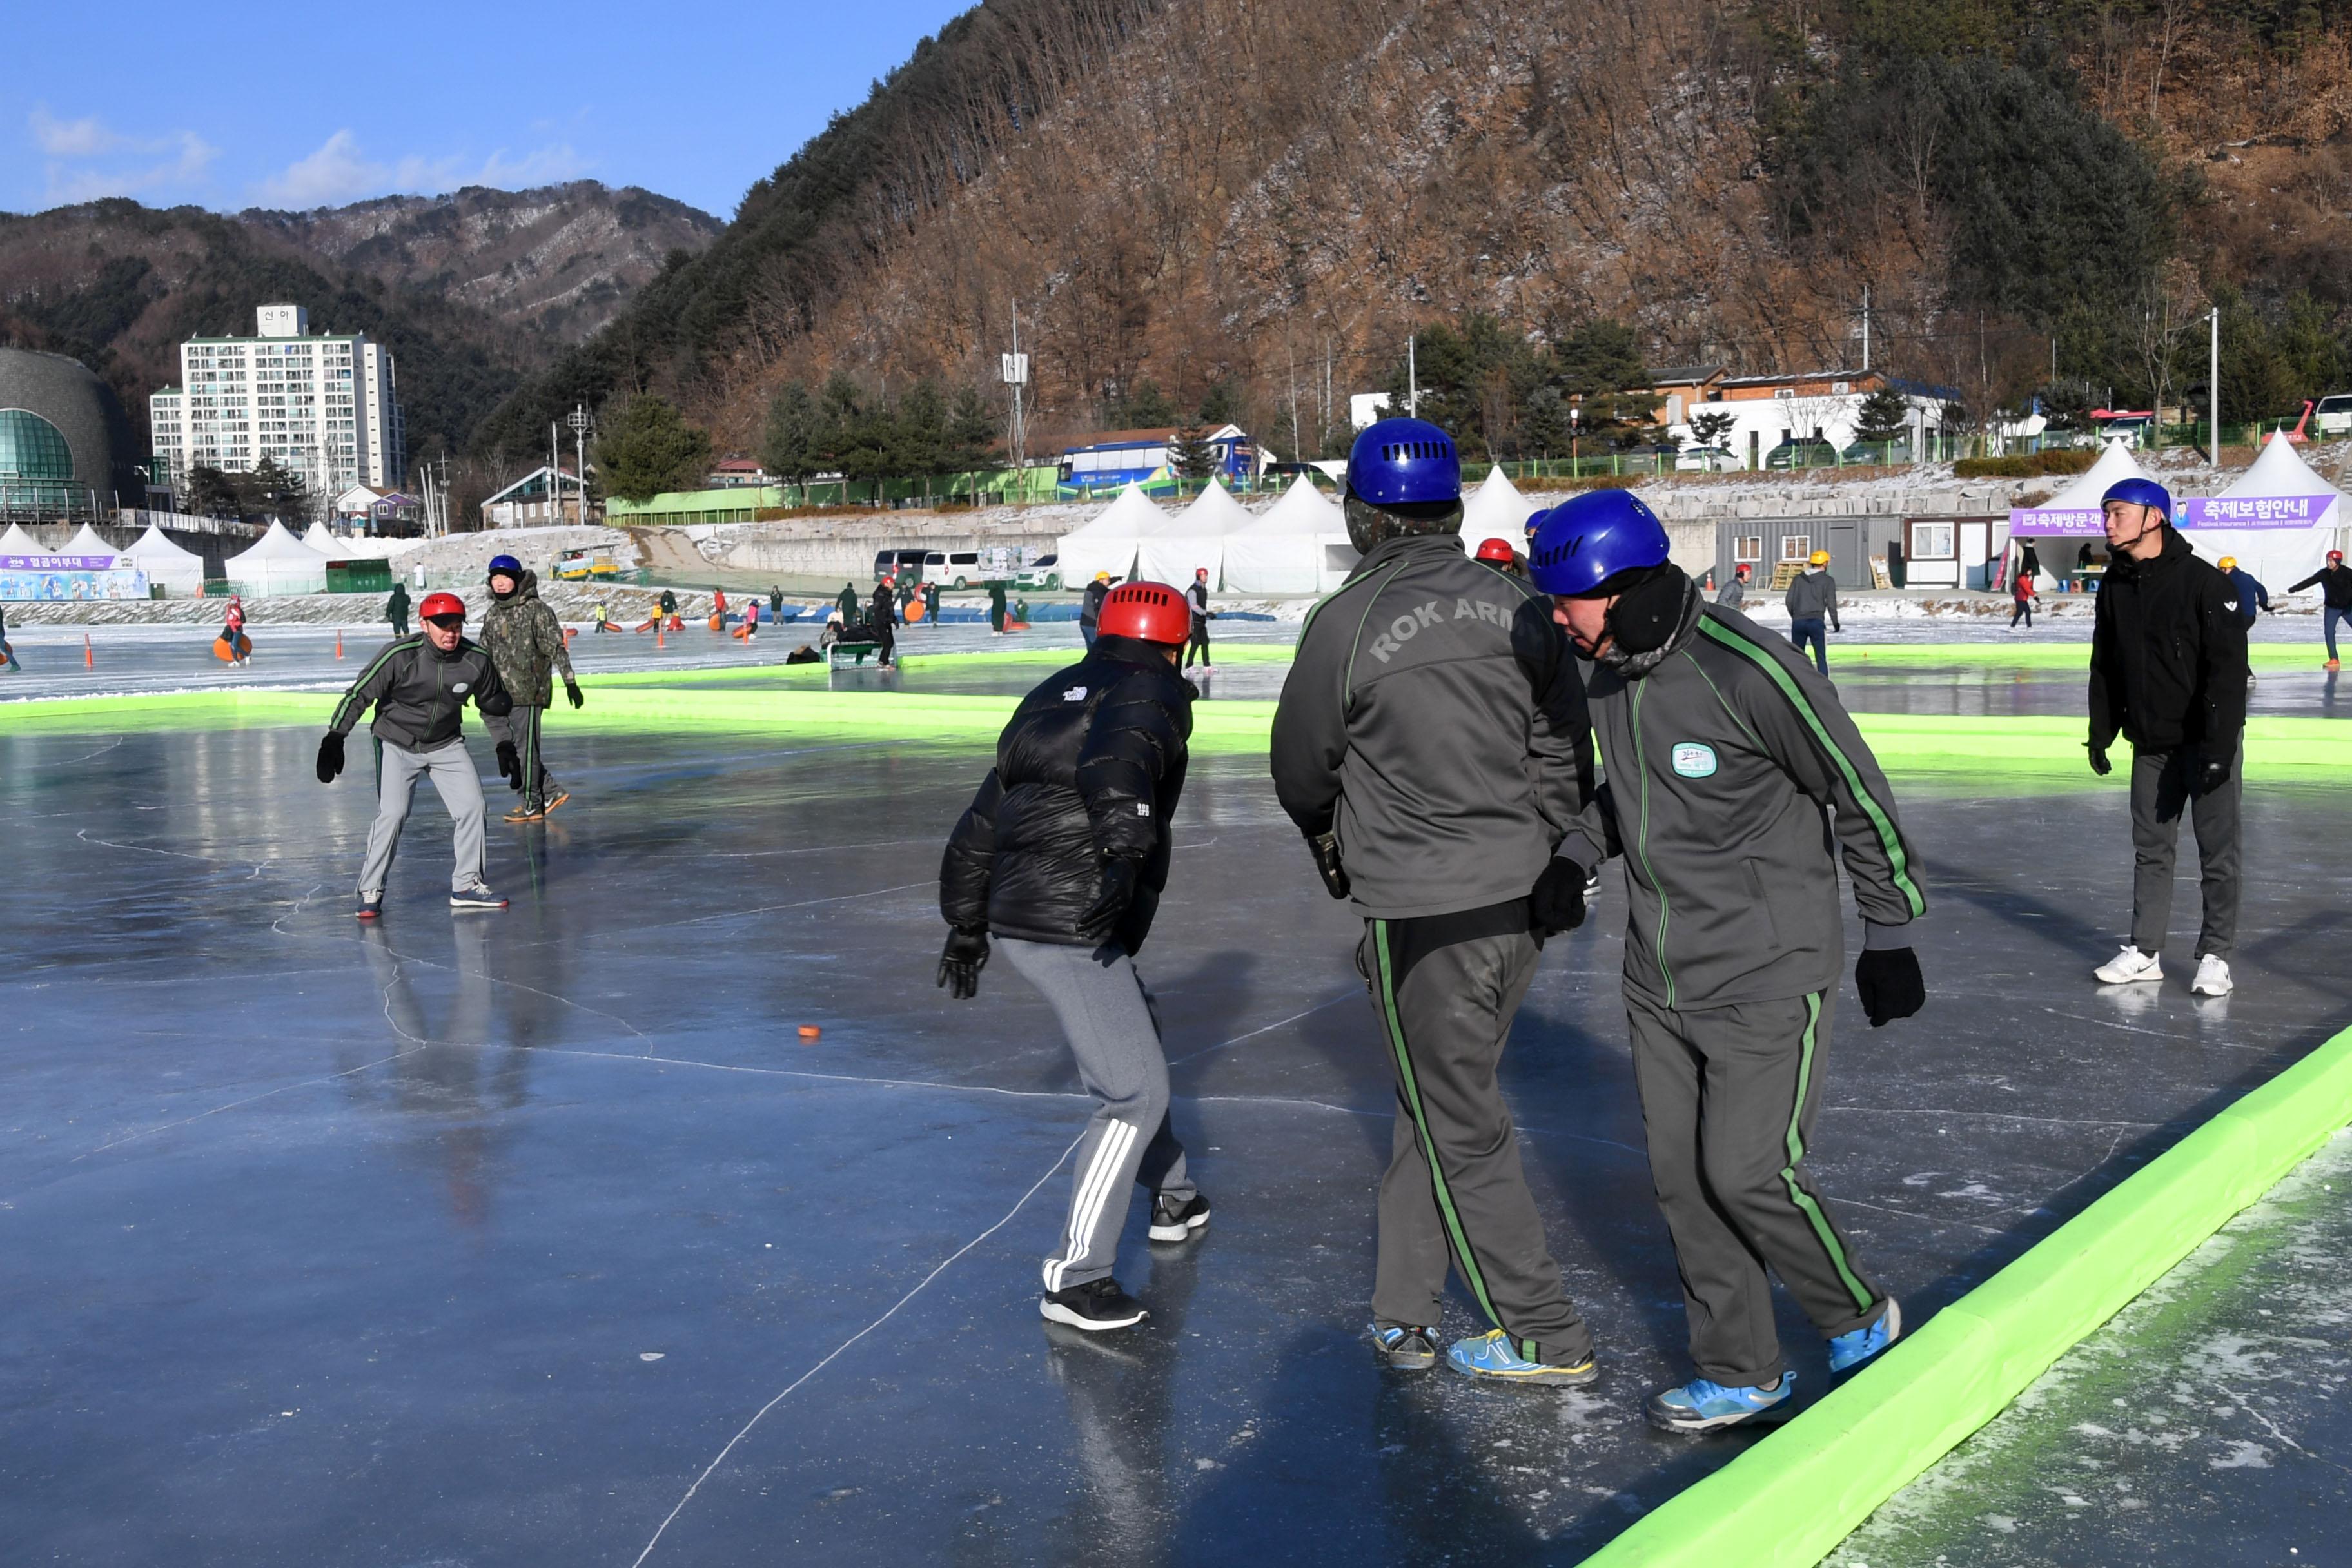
<point>1789,1500</point>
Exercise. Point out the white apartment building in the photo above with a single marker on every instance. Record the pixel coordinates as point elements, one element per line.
<point>324,408</point>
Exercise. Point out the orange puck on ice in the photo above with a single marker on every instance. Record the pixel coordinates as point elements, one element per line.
<point>810,1031</point>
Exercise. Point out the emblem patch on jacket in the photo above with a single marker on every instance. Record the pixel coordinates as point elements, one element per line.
<point>459,688</point>
<point>1075,694</point>
<point>1694,759</point>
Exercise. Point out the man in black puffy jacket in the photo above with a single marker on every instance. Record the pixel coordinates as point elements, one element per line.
<point>1062,856</point>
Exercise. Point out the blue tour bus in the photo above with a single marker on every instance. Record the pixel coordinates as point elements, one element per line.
<point>1119,458</point>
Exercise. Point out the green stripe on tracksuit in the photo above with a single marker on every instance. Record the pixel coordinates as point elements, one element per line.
<point>1446,988</point>
<point>1728,1096</point>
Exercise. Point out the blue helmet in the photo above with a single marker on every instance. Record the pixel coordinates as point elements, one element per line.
<point>1535,521</point>
<point>506,563</point>
<point>2140,493</point>
<point>1398,461</point>
<point>1583,542</point>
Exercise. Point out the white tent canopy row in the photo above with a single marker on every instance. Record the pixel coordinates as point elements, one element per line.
<point>17,541</point>
<point>180,570</point>
<point>278,563</point>
<point>1193,541</point>
<point>2279,519</point>
<point>1109,542</point>
<point>1299,545</point>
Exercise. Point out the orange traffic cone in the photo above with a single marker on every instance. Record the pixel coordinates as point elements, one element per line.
<point>568,633</point>
<point>89,661</point>
<point>338,642</point>
<point>657,636</point>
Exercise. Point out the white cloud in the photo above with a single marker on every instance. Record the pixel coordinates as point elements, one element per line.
<point>340,172</point>
<point>134,164</point>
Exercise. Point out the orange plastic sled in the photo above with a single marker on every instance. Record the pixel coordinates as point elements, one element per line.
<point>222,651</point>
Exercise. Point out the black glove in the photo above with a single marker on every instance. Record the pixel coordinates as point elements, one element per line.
<point>572,690</point>
<point>1887,979</point>
<point>509,764</point>
<point>1118,877</point>
<point>1325,848</point>
<point>2099,763</point>
<point>964,957</point>
<point>1557,904</point>
<point>2212,773</point>
<point>331,757</point>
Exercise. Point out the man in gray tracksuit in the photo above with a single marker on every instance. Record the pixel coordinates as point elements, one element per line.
<point>1732,770</point>
<point>1432,745</point>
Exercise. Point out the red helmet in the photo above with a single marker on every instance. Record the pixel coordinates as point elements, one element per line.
<point>2336,556</point>
<point>1150,612</point>
<point>1497,550</point>
<point>1199,571</point>
<point>437,605</point>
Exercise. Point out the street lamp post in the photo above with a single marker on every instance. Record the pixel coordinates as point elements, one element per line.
<point>581,424</point>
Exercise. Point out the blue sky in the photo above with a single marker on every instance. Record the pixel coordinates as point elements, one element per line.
<point>317,105</point>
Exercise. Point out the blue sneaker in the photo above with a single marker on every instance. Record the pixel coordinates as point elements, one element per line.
<point>1858,1345</point>
<point>1492,1354</point>
<point>1701,1405</point>
<point>1406,1349</point>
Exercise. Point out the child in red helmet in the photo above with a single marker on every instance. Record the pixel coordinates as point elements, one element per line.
<point>1061,856</point>
<point>419,687</point>
<point>1499,554</point>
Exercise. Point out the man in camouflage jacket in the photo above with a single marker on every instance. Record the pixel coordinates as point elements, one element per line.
<point>526,641</point>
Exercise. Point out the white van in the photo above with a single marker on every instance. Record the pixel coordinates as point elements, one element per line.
<point>953,568</point>
<point>2333,415</point>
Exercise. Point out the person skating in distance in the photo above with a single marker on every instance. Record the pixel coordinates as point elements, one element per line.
<point>1090,605</point>
<point>1432,745</point>
<point>2254,601</point>
<point>1197,596</point>
<point>886,618</point>
<point>1726,755</point>
<point>526,641</point>
<point>2334,582</point>
<point>1499,554</point>
<point>2169,673</point>
<point>1061,856</point>
<point>1733,595</point>
<point>1811,601</point>
<point>419,687</point>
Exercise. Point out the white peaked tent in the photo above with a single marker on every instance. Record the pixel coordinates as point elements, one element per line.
<point>1496,510</point>
<point>1192,539</point>
<point>1109,543</point>
<point>17,541</point>
<point>1299,545</point>
<point>180,570</point>
<point>2073,513</point>
<point>86,541</point>
<point>323,540</point>
<point>2288,517</point>
<point>278,563</point>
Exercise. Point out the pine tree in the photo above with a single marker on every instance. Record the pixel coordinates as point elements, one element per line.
<point>1883,416</point>
<point>794,447</point>
<point>649,449</point>
<point>1194,456</point>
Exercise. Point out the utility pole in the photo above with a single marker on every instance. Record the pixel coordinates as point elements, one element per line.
<point>579,423</point>
<point>2213,389</point>
<point>1297,436</point>
<point>1017,377</point>
<point>1866,329</point>
<point>1411,380</point>
<point>554,476</point>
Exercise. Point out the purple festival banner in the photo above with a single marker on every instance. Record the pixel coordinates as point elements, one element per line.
<point>56,562</point>
<point>2055,522</point>
<point>2254,512</point>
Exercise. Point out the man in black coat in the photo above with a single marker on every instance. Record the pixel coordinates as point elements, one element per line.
<point>2169,673</point>
<point>1090,606</point>
<point>885,616</point>
<point>2334,584</point>
<point>1061,856</point>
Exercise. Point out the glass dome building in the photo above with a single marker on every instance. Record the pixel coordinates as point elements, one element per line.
<point>65,444</point>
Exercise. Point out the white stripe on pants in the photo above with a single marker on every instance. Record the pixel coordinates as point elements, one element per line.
<point>1114,1035</point>
<point>397,771</point>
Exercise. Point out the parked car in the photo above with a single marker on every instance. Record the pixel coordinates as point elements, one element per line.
<point>2331,415</point>
<point>1705,460</point>
<point>1043,574</point>
<point>1801,455</point>
<point>898,563</point>
<point>953,568</point>
<point>580,565</point>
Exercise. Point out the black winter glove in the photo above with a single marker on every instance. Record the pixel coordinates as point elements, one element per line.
<point>509,764</point>
<point>331,757</point>
<point>2213,774</point>
<point>1118,879</point>
<point>1325,848</point>
<point>959,964</point>
<point>572,690</point>
<point>1557,904</point>
<point>2099,763</point>
<point>1887,979</point>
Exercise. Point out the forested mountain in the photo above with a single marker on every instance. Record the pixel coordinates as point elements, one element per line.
<point>473,291</point>
<point>1219,199</point>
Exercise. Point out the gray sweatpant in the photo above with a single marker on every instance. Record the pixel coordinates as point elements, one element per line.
<point>397,770</point>
<point>2162,783</point>
<point>1446,988</point>
<point>1114,1033</point>
<point>1728,1096</point>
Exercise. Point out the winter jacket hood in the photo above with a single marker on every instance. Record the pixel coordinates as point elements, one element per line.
<point>1089,769</point>
<point>526,640</point>
<point>1433,719</point>
<point>420,692</point>
<point>2167,654</point>
<point>1813,596</point>
<point>1721,764</point>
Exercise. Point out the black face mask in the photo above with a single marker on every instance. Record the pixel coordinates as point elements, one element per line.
<point>1648,614</point>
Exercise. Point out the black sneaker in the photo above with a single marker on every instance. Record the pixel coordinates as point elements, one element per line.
<point>477,897</point>
<point>371,906</point>
<point>1172,1221</point>
<point>1404,1347</point>
<point>1096,1305</point>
